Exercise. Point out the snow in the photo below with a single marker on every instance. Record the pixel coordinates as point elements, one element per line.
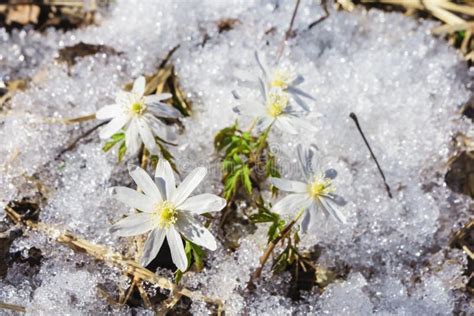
<point>405,86</point>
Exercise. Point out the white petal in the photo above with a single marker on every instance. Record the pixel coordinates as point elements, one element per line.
<point>109,111</point>
<point>152,246</point>
<point>296,91</point>
<point>157,97</point>
<point>132,138</point>
<point>307,220</point>
<point>195,232</point>
<point>133,225</point>
<point>133,198</point>
<point>297,81</point>
<point>145,183</point>
<point>158,128</point>
<point>251,108</point>
<point>263,89</point>
<point>164,171</point>
<point>333,210</point>
<point>188,185</point>
<point>139,86</point>
<point>308,160</point>
<point>147,136</point>
<point>289,185</point>
<point>264,123</point>
<point>203,203</point>
<point>123,98</point>
<point>113,126</point>
<point>292,204</point>
<point>304,124</point>
<point>337,199</point>
<point>177,249</point>
<point>301,102</point>
<point>262,63</point>
<point>285,124</point>
<point>163,110</point>
<point>330,173</point>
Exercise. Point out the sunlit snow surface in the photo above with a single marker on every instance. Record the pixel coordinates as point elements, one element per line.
<point>405,86</point>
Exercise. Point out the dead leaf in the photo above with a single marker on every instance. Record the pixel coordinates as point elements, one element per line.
<point>225,25</point>
<point>23,14</point>
<point>11,88</point>
<point>69,54</point>
<point>460,177</point>
<point>165,80</point>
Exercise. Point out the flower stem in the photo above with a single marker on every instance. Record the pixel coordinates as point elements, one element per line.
<point>144,158</point>
<point>271,245</point>
<point>289,31</point>
<point>263,141</point>
<point>252,125</point>
<point>79,119</point>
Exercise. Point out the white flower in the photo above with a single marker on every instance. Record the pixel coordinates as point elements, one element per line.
<point>137,114</point>
<point>317,193</point>
<point>166,211</point>
<point>274,108</point>
<point>276,77</point>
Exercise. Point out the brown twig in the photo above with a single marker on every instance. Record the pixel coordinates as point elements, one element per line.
<point>168,304</point>
<point>356,121</point>
<point>289,30</point>
<point>324,17</point>
<point>79,119</point>
<point>15,308</point>
<point>271,246</point>
<point>107,255</point>
<point>73,144</point>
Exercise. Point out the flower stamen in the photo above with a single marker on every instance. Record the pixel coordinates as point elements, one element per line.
<point>281,79</point>
<point>276,103</point>
<point>320,186</point>
<point>166,214</point>
<point>138,107</point>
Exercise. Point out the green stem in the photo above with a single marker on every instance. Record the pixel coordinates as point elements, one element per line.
<point>271,246</point>
<point>263,140</point>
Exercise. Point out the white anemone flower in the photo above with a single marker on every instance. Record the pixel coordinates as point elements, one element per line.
<point>138,116</point>
<point>276,77</point>
<point>317,193</point>
<point>274,108</point>
<point>166,211</point>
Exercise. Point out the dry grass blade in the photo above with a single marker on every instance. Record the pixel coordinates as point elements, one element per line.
<point>12,87</point>
<point>347,5</point>
<point>15,308</point>
<point>168,304</point>
<point>455,14</point>
<point>447,29</point>
<point>107,255</point>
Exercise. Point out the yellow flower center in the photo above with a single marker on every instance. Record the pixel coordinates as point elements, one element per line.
<point>320,186</point>
<point>138,107</point>
<point>166,214</point>
<point>276,103</point>
<point>281,79</point>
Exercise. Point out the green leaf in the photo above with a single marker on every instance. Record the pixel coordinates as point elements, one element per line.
<point>246,179</point>
<point>122,151</point>
<point>198,254</point>
<point>166,154</point>
<point>187,250</point>
<point>223,137</point>
<point>178,275</point>
<point>237,158</point>
<point>275,229</point>
<point>194,253</point>
<point>231,184</point>
<point>281,262</point>
<point>117,137</point>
